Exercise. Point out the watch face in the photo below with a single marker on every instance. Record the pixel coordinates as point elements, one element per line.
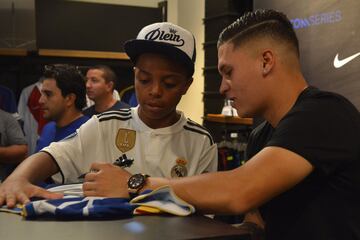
<point>136,181</point>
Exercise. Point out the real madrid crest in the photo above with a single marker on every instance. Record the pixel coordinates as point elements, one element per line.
<point>179,170</point>
<point>125,139</point>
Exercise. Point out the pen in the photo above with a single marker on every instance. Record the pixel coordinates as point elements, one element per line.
<point>121,162</point>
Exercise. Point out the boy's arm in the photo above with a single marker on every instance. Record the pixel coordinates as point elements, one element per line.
<point>19,186</point>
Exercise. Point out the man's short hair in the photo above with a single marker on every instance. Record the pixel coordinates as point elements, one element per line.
<point>260,23</point>
<point>69,80</point>
<point>108,74</point>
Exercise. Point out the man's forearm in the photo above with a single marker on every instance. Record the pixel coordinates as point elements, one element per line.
<point>203,192</point>
<point>246,187</point>
<point>209,195</point>
<point>36,168</point>
<point>13,154</point>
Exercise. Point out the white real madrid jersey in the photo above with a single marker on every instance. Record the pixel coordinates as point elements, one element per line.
<point>183,149</point>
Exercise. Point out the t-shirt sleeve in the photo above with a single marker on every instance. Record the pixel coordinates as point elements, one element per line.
<point>14,133</point>
<point>209,159</point>
<point>75,153</point>
<point>258,139</point>
<point>320,131</point>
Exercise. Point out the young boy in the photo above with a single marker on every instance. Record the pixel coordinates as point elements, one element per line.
<point>159,138</point>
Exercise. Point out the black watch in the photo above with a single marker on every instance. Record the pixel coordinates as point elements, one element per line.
<point>135,183</point>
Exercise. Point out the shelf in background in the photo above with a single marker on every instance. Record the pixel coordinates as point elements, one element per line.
<point>82,54</point>
<point>228,119</point>
<point>13,52</point>
<point>65,53</point>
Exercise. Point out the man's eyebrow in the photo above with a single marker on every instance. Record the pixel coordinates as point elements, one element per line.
<point>224,67</point>
<point>221,68</point>
<point>46,91</point>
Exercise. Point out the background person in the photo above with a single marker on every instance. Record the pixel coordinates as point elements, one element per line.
<point>62,99</point>
<point>13,146</point>
<point>100,85</point>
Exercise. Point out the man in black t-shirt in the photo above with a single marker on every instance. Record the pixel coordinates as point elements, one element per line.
<point>325,205</point>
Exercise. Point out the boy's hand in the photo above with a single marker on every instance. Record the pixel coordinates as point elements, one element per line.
<point>106,180</point>
<point>13,191</point>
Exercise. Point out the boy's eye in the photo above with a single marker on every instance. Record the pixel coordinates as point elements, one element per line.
<point>169,85</point>
<point>143,81</point>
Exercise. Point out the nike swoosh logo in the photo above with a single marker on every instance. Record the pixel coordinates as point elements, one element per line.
<point>339,63</point>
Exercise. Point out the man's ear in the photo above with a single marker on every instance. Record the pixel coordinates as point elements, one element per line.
<point>268,61</point>
<point>70,99</point>
<point>188,84</point>
<point>111,84</point>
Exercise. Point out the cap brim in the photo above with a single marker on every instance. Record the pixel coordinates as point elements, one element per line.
<point>134,48</point>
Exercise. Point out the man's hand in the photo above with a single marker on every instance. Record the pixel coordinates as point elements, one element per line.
<point>106,180</point>
<point>18,190</point>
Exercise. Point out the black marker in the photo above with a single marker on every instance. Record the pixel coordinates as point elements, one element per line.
<point>122,162</point>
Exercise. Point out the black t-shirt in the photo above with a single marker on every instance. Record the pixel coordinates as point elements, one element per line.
<point>90,111</point>
<point>324,128</point>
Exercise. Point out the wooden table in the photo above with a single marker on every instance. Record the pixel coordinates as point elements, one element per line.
<point>13,227</point>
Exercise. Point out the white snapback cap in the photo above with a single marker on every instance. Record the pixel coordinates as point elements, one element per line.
<point>164,38</point>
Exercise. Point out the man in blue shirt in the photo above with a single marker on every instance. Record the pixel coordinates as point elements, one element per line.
<point>62,99</point>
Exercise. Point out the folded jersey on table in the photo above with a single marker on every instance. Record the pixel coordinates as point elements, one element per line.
<point>79,208</point>
<point>161,200</point>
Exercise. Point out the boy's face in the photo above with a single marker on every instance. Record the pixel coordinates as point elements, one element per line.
<point>159,85</point>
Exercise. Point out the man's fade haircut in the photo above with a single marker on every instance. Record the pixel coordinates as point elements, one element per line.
<point>260,23</point>
<point>108,74</point>
<point>69,80</point>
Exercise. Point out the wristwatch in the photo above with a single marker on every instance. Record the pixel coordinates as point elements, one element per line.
<point>135,183</point>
